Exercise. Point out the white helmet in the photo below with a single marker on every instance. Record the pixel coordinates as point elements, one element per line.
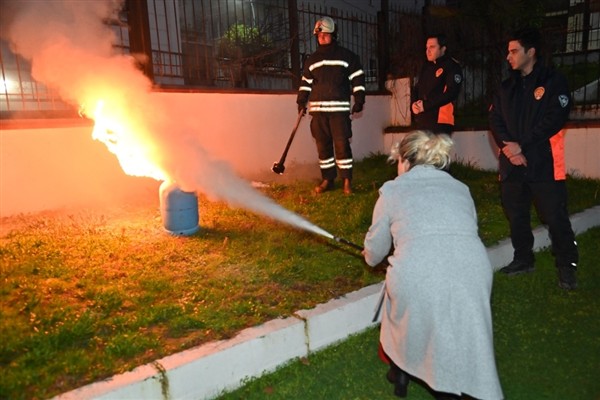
<point>325,25</point>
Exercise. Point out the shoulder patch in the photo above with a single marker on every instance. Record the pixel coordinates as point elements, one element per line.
<point>563,99</point>
<point>538,93</point>
<point>457,78</point>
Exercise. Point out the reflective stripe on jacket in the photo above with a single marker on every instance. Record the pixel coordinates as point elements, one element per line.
<point>330,76</point>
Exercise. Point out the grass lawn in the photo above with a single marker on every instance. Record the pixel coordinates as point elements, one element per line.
<point>546,341</point>
<point>88,293</point>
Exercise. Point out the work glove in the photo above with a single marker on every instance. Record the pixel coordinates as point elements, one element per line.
<point>302,109</point>
<point>356,108</point>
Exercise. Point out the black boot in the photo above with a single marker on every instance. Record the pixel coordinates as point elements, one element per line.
<point>347,186</point>
<point>567,277</point>
<point>325,186</point>
<point>517,267</point>
<point>399,378</point>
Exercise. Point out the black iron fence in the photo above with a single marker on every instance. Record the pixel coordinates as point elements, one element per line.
<point>572,45</point>
<point>259,45</point>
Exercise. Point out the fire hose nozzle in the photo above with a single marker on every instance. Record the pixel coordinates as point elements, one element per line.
<point>349,243</point>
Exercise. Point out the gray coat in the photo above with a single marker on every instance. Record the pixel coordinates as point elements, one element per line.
<point>436,318</point>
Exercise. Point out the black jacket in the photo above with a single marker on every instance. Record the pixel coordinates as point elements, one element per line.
<point>438,86</point>
<point>532,111</point>
<point>330,76</point>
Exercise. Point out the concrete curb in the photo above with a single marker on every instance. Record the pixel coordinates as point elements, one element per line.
<point>206,371</point>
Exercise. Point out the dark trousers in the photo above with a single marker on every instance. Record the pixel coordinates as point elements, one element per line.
<point>429,123</point>
<point>444,128</point>
<point>550,201</point>
<point>332,132</point>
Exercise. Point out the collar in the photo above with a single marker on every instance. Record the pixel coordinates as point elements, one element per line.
<point>440,59</point>
<point>533,73</point>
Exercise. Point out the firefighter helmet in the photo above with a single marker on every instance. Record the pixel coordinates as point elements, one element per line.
<point>325,25</point>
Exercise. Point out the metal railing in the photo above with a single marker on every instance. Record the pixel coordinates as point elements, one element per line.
<point>355,32</point>
<point>259,45</point>
<point>572,38</point>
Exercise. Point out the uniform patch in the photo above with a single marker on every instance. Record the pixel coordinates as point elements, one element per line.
<point>457,78</point>
<point>563,99</point>
<point>538,93</point>
<point>439,72</point>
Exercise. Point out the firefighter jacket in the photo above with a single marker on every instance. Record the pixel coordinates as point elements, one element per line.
<point>331,75</point>
<point>532,111</point>
<point>438,87</point>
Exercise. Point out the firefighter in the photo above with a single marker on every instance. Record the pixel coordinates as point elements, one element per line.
<point>331,75</point>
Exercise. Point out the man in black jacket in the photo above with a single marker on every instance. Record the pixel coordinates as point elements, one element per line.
<point>527,120</point>
<point>437,88</point>
<point>331,75</point>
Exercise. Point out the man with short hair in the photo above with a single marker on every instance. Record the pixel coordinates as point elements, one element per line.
<point>437,88</point>
<point>331,75</point>
<point>527,119</point>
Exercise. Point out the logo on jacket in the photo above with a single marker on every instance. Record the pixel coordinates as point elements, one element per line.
<point>563,99</point>
<point>538,93</point>
<point>439,72</point>
<point>457,78</point>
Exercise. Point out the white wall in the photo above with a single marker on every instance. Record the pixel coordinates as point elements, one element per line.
<point>582,146</point>
<point>51,165</point>
<point>46,165</point>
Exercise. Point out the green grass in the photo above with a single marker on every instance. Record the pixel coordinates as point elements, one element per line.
<point>87,294</point>
<point>546,341</point>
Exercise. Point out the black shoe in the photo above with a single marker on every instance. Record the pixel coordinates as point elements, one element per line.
<point>566,277</point>
<point>517,267</point>
<point>324,186</point>
<point>391,375</point>
<point>400,379</point>
<point>401,384</point>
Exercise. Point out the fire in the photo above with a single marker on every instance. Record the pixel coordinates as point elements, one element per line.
<point>121,137</point>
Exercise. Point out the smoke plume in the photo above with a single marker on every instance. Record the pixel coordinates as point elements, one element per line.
<point>71,50</point>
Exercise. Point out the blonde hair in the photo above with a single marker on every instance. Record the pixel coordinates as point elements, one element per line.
<point>423,148</point>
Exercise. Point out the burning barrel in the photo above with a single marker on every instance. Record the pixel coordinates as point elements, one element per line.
<point>179,210</point>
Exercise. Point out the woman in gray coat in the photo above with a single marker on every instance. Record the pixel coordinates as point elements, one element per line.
<point>436,318</point>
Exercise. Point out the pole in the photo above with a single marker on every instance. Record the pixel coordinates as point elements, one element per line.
<point>349,243</point>
<point>383,49</point>
<point>295,42</point>
<point>139,34</point>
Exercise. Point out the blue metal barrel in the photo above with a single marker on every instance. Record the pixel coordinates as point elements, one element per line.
<point>179,210</point>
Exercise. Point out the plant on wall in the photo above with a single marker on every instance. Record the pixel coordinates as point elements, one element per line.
<point>243,42</point>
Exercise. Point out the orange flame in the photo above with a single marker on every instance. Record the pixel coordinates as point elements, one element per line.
<point>119,136</point>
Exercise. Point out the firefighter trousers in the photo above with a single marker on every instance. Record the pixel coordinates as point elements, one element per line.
<point>332,132</point>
